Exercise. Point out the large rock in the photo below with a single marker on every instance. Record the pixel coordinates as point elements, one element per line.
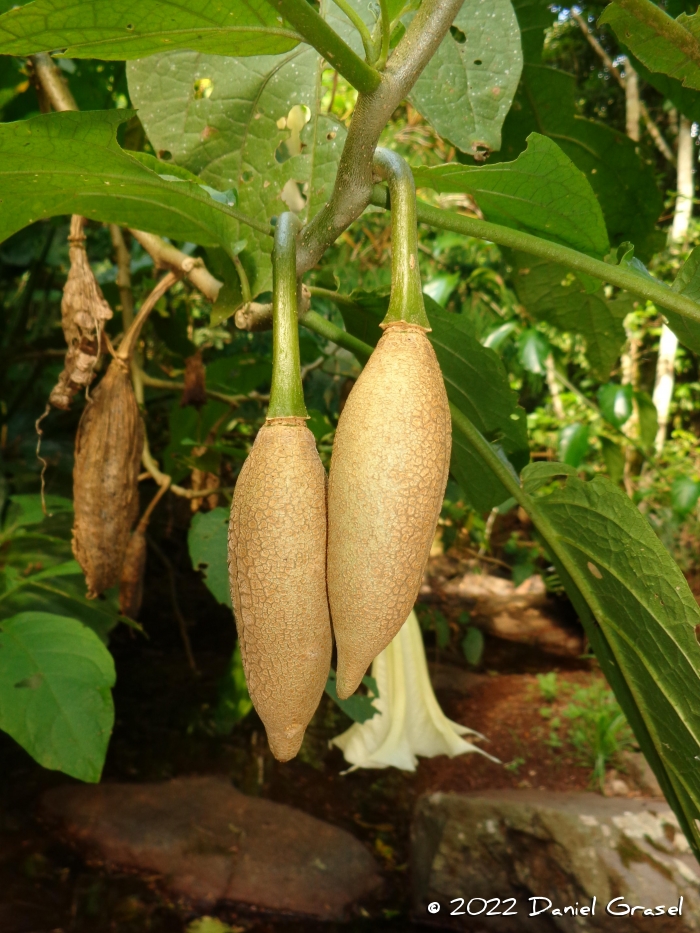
<point>562,848</point>
<point>210,844</point>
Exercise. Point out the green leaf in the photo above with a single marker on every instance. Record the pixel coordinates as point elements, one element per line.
<point>684,495</point>
<point>120,29</point>
<point>533,350</point>
<point>557,295</point>
<point>623,183</point>
<point>467,87</point>
<point>61,163</point>
<point>473,645</point>
<point>440,287</point>
<point>234,701</point>
<point>573,444</point>
<point>39,573</point>
<point>687,283</point>
<point>359,707</point>
<point>614,458</point>
<point>258,129</point>
<point>641,618</point>
<point>534,18</point>
<point>648,419</point>
<point>207,541</point>
<point>658,41</point>
<point>55,700</point>
<point>684,99</point>
<point>615,403</point>
<point>542,192</point>
<point>541,474</point>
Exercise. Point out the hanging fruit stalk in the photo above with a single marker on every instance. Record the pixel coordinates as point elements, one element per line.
<point>390,461</point>
<point>277,537</point>
<point>108,448</point>
<point>134,566</point>
<point>83,315</point>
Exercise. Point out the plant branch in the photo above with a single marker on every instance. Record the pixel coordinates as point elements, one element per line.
<point>233,400</point>
<point>167,256</point>
<point>640,285</point>
<point>386,34</point>
<point>325,40</point>
<point>353,184</point>
<point>126,347</point>
<point>359,24</point>
<point>324,328</point>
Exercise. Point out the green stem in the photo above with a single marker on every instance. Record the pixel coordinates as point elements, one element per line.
<point>286,393</point>
<point>323,327</point>
<point>386,33</point>
<point>637,284</point>
<point>406,302</point>
<point>358,23</point>
<point>665,27</point>
<point>325,40</point>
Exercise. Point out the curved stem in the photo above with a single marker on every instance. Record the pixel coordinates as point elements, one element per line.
<point>320,325</point>
<point>286,393</point>
<point>386,33</point>
<point>406,303</point>
<point>644,286</point>
<point>126,347</point>
<point>325,40</point>
<point>358,23</point>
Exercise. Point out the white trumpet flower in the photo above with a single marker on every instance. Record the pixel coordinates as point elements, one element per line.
<point>410,721</point>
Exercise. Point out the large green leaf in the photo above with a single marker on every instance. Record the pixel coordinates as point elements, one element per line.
<point>467,367</point>
<point>658,41</point>
<point>239,123</point>
<point>685,99</point>
<point>120,29</point>
<point>534,18</point>
<point>467,87</point>
<point>542,192</point>
<point>641,619</point>
<point>207,541</point>
<point>623,183</point>
<point>687,283</point>
<point>38,570</point>
<point>555,294</point>
<point>55,699</point>
<point>62,163</point>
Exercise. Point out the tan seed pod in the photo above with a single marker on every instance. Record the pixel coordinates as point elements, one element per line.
<point>277,557</point>
<point>133,570</point>
<point>195,391</point>
<point>388,474</point>
<point>83,314</point>
<point>108,449</point>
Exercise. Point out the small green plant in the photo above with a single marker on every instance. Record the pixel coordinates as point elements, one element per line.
<point>549,688</point>
<point>515,765</point>
<point>599,731</point>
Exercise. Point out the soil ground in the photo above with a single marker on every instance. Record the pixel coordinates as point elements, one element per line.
<point>163,729</point>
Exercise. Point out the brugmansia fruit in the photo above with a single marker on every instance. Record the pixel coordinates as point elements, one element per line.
<point>277,538</point>
<point>390,462</point>
<point>108,451</point>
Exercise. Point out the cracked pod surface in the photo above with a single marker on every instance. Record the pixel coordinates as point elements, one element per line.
<point>108,448</point>
<point>388,474</point>
<point>277,565</point>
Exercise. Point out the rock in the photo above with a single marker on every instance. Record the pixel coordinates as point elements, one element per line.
<point>521,613</point>
<point>564,847</point>
<point>614,785</point>
<point>639,771</point>
<point>210,845</point>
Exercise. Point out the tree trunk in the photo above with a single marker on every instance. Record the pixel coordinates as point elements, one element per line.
<point>663,384</point>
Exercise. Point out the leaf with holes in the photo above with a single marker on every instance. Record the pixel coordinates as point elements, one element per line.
<point>542,192</point>
<point>252,124</point>
<point>55,699</point>
<point>467,88</point>
<point>62,163</point>
<point>120,29</point>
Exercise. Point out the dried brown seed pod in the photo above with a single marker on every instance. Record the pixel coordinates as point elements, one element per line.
<point>108,449</point>
<point>387,479</point>
<point>134,566</point>
<point>277,558</point>
<point>195,391</point>
<point>83,314</point>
